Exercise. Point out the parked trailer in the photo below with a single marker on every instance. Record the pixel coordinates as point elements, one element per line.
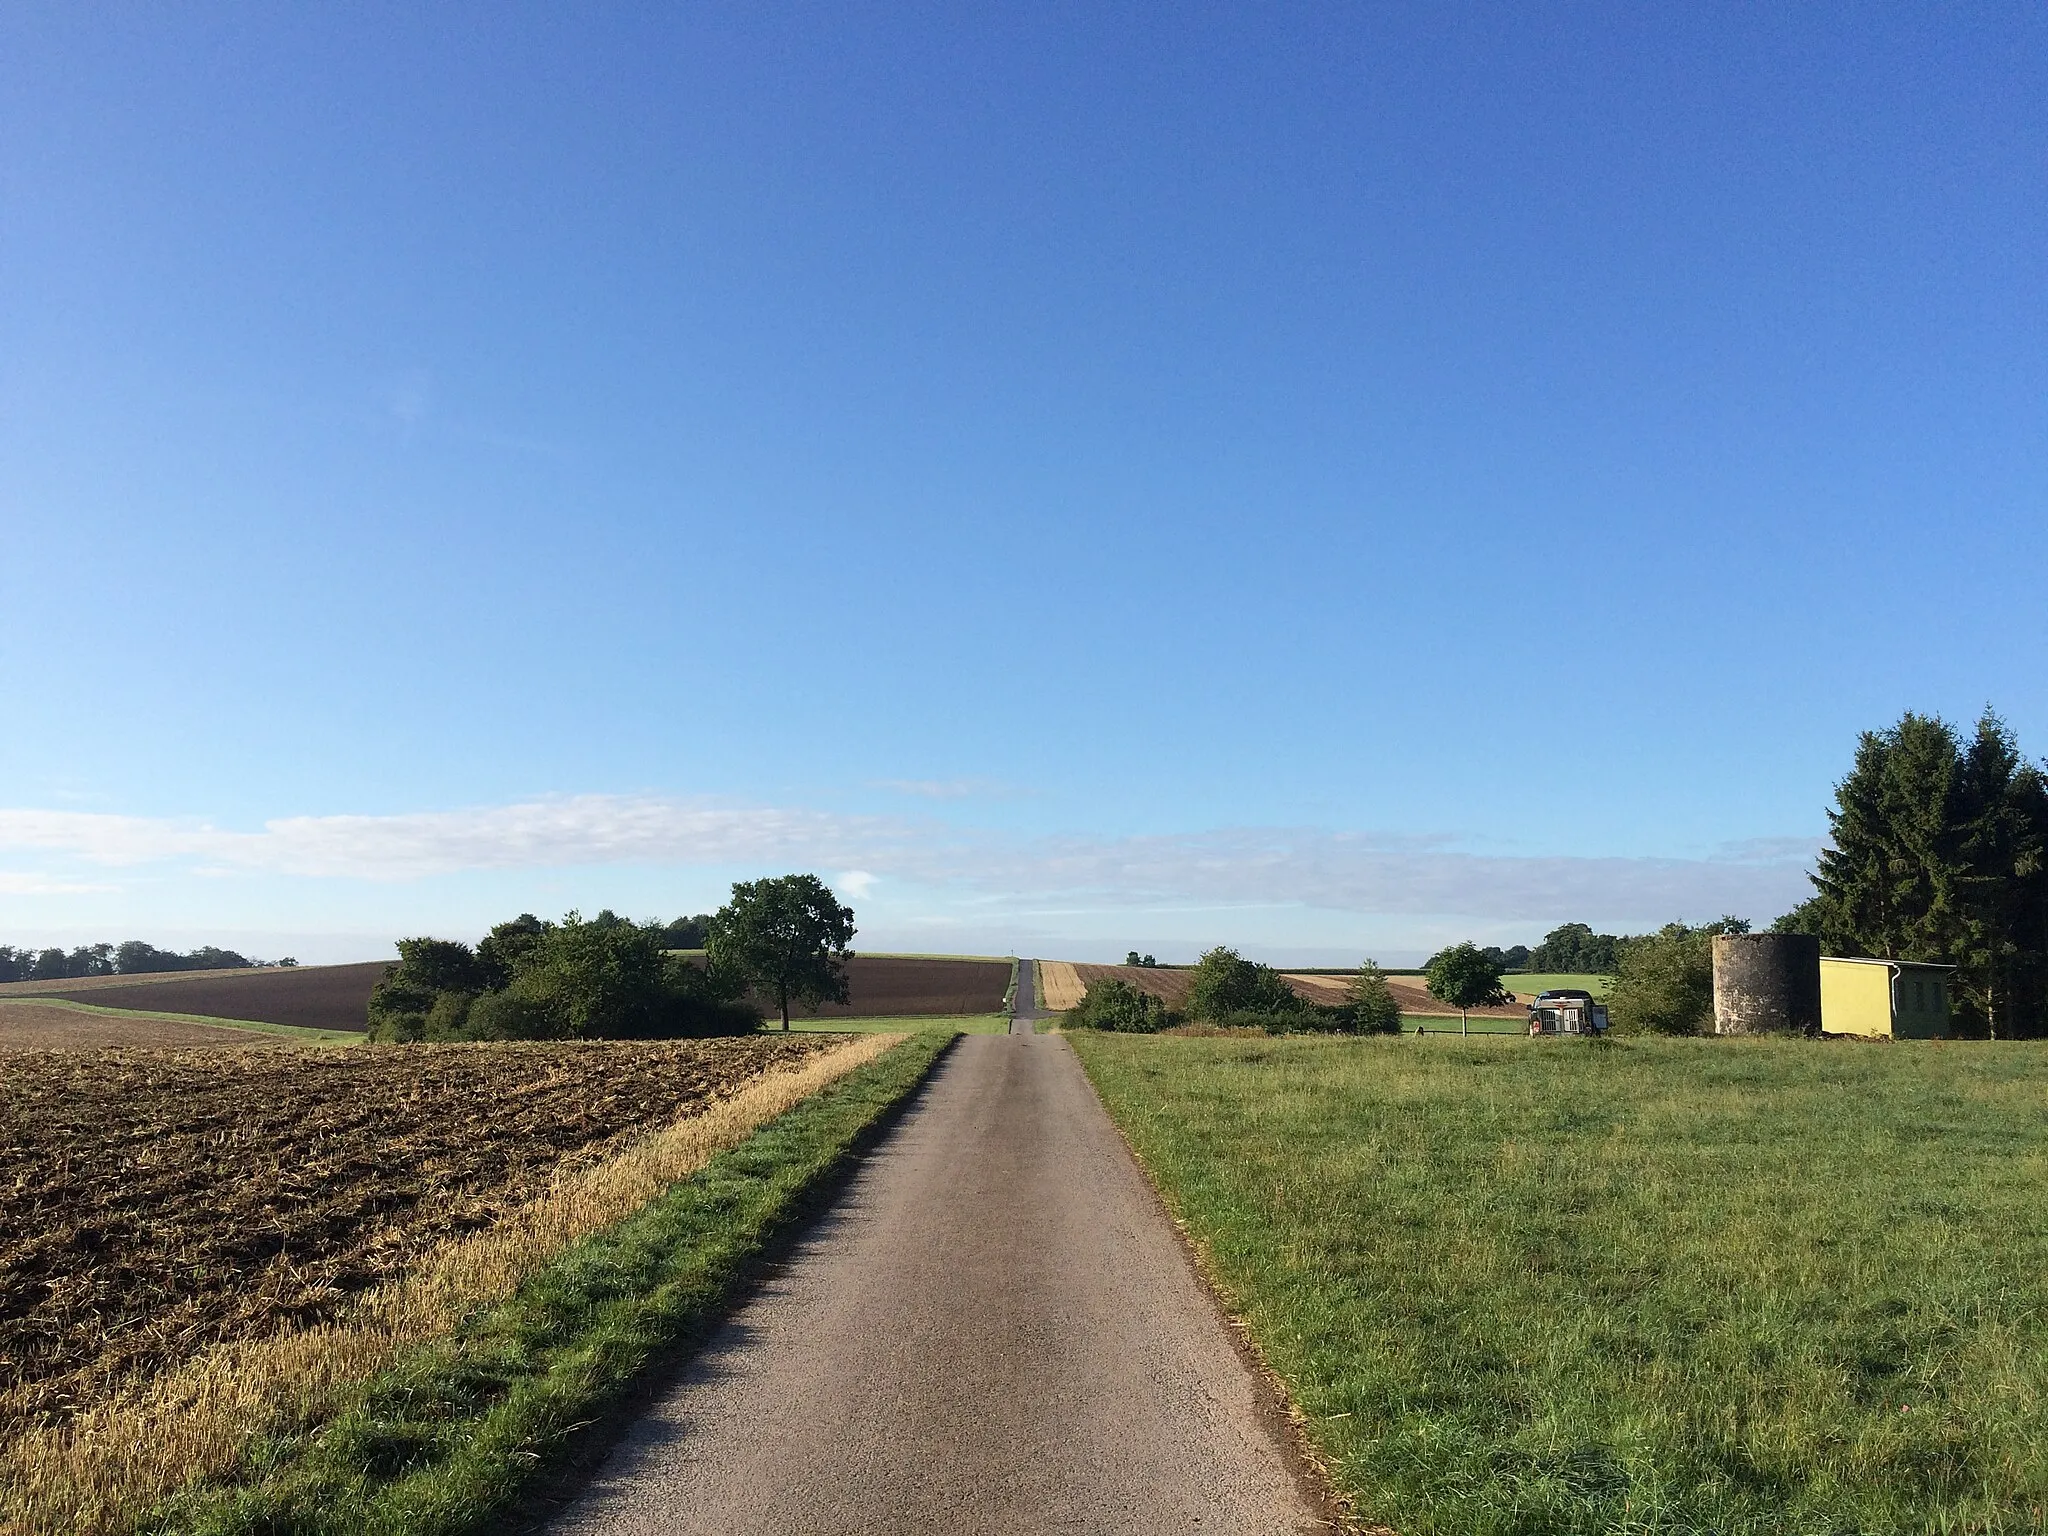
<point>1567,1012</point>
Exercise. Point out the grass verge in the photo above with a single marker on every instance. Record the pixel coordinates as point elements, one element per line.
<point>451,1438</point>
<point>288,1031</point>
<point>1674,1287</point>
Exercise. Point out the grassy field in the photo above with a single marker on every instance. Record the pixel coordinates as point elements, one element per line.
<point>1449,1024</point>
<point>965,1023</point>
<point>1520,984</point>
<point>1729,1287</point>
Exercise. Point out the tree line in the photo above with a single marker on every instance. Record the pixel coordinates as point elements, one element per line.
<point>133,958</point>
<point>781,940</point>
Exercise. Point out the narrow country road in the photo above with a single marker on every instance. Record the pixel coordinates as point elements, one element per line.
<point>993,1330</point>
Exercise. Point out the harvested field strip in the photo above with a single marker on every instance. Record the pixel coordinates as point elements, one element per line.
<point>232,1031</point>
<point>96,1470</point>
<point>306,997</point>
<point>455,1435</point>
<point>27,1025</point>
<point>1059,986</point>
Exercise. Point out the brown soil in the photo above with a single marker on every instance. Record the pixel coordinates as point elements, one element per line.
<point>27,1027</point>
<point>155,1202</point>
<point>312,996</point>
<point>1172,987</point>
<point>882,987</point>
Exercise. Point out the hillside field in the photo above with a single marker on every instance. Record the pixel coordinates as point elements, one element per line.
<point>1741,1287</point>
<point>896,986</point>
<point>303,997</point>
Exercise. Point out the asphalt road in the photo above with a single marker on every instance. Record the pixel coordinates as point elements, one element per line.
<point>994,1330</point>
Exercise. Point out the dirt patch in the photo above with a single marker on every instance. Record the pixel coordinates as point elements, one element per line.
<point>29,1027</point>
<point>310,996</point>
<point>153,1203</point>
<point>882,987</point>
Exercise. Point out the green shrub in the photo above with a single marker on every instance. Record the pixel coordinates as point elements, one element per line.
<point>516,1013</point>
<point>1224,982</point>
<point>1664,983</point>
<point>1121,1007</point>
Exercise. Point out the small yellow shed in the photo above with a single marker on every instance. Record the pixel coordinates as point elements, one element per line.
<point>1889,999</point>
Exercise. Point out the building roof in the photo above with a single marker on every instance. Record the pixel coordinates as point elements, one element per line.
<point>1904,965</point>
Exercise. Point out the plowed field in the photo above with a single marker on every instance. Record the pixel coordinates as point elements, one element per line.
<point>155,1202</point>
<point>885,987</point>
<point>311,996</point>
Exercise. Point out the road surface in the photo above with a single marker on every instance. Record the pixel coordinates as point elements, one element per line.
<point>994,1330</point>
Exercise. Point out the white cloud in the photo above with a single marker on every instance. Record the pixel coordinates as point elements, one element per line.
<point>1338,871</point>
<point>579,829</point>
<point>27,883</point>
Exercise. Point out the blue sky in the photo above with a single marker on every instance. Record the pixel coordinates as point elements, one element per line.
<point>1331,478</point>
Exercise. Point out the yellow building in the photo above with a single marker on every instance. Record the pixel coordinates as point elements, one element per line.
<point>1890,999</point>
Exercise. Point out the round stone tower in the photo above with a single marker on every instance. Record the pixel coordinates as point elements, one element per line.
<point>1766,982</point>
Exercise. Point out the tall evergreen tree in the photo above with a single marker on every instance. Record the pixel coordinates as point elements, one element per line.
<point>1889,883</point>
<point>1940,853</point>
<point>2001,838</point>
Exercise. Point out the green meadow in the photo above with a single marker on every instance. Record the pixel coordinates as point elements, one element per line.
<point>1641,1286</point>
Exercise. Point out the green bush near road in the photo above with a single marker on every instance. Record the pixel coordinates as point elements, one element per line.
<point>1654,1285</point>
<point>1121,1008</point>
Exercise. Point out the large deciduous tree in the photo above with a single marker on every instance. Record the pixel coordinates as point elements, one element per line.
<point>1575,949</point>
<point>787,938</point>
